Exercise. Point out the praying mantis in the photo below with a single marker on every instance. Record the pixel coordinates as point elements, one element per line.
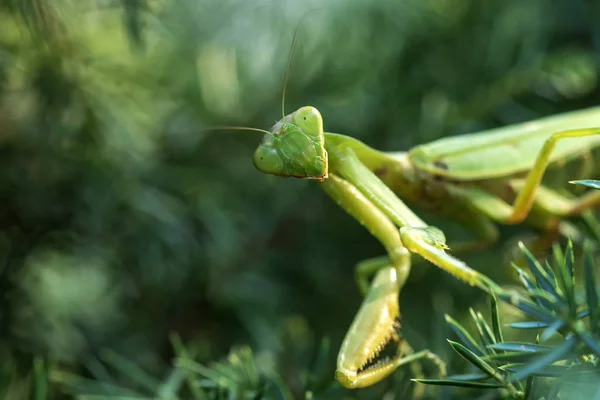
<point>478,180</point>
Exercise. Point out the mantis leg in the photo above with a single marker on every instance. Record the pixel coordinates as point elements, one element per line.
<point>427,241</point>
<point>557,204</point>
<point>367,268</point>
<point>484,231</point>
<point>417,241</point>
<point>376,321</point>
<point>549,206</point>
<point>527,195</point>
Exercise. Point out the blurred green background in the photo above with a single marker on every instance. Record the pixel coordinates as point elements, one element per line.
<point>122,222</point>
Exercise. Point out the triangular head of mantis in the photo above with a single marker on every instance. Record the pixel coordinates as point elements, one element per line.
<point>295,147</point>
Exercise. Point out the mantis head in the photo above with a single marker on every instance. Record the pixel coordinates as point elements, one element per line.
<point>295,147</point>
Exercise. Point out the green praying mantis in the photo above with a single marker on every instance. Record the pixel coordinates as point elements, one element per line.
<point>478,180</point>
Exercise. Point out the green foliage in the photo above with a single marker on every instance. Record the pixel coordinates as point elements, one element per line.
<point>241,375</point>
<point>567,349</point>
<point>238,377</point>
<point>122,221</point>
<point>588,182</point>
<point>564,352</point>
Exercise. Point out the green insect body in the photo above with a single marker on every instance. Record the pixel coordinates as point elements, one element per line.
<point>478,180</point>
<point>504,151</point>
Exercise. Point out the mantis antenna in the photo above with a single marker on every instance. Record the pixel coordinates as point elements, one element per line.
<point>289,63</point>
<point>287,69</point>
<point>285,80</point>
<point>236,128</point>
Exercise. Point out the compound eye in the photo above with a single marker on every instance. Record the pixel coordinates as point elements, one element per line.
<point>309,119</point>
